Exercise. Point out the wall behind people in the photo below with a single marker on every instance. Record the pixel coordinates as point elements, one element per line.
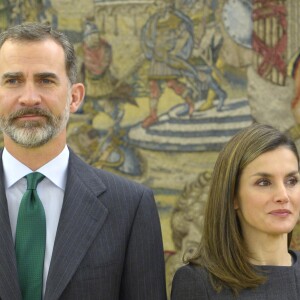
<point>168,83</point>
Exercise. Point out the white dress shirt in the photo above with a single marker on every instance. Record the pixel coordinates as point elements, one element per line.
<point>50,190</point>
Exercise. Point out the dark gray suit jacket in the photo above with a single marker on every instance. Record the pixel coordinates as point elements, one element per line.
<point>108,244</point>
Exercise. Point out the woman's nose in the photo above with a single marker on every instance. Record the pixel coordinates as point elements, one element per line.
<point>281,194</point>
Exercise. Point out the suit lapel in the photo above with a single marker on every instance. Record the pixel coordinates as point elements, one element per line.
<point>81,218</point>
<point>9,283</point>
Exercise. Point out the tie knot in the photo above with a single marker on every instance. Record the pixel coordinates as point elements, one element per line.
<point>33,179</point>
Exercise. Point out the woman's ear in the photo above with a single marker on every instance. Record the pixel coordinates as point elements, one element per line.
<point>236,203</point>
<point>77,96</point>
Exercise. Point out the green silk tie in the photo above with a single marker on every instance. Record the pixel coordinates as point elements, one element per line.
<point>31,240</point>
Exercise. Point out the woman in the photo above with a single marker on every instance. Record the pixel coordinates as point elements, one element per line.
<point>252,208</point>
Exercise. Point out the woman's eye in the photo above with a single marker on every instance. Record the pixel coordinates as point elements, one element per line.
<point>292,181</point>
<point>263,182</point>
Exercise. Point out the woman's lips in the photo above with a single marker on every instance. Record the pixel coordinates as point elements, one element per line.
<point>280,212</point>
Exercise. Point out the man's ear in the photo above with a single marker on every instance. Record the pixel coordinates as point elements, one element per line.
<point>77,96</point>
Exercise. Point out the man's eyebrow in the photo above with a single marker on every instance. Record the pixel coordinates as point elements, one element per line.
<point>38,75</point>
<point>12,75</point>
<point>46,75</point>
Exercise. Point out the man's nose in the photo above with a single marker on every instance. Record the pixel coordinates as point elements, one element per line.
<point>30,96</point>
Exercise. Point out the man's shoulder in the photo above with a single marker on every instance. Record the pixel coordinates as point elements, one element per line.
<point>106,177</point>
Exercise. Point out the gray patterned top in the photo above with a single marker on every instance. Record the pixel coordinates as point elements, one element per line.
<point>192,283</point>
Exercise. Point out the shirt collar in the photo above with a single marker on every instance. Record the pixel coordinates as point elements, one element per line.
<point>55,170</point>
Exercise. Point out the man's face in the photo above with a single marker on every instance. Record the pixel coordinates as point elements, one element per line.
<point>35,93</point>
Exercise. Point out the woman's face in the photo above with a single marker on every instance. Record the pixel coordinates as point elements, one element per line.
<point>268,198</point>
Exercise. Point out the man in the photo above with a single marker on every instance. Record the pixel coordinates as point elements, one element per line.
<point>103,237</point>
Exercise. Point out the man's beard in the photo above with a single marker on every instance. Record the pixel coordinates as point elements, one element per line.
<point>34,133</point>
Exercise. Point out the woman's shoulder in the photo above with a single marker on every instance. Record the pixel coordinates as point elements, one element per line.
<point>190,282</point>
<point>295,253</point>
<point>295,256</point>
<point>191,271</point>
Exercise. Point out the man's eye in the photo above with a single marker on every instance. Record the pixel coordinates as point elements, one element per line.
<point>12,81</point>
<point>46,81</point>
